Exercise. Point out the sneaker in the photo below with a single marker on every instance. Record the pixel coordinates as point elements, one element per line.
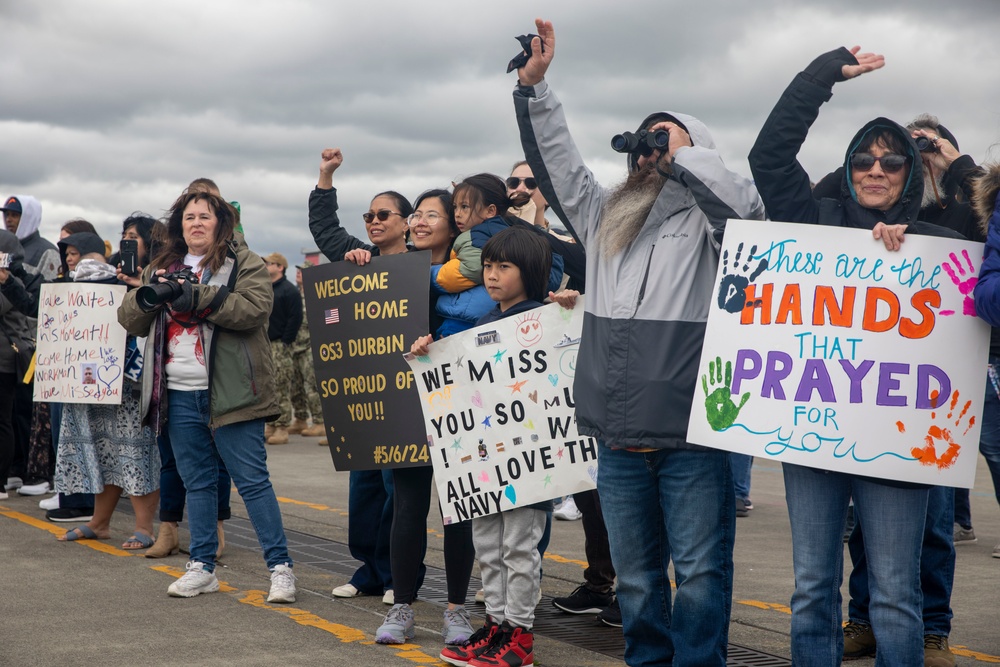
<point>39,489</point>
<point>611,615</point>
<point>397,627</point>
<point>13,484</point>
<point>4,495</point>
<point>937,653</point>
<point>513,648</point>
<point>480,640</point>
<point>859,641</point>
<point>964,535</point>
<point>346,591</point>
<point>584,601</point>
<point>282,584</point>
<point>70,514</point>
<point>567,511</point>
<point>457,627</point>
<point>389,598</point>
<point>50,503</point>
<point>748,503</point>
<point>481,596</point>
<point>741,508</point>
<point>996,551</point>
<point>196,580</point>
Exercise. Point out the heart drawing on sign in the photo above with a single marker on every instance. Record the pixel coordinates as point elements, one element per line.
<point>108,374</point>
<point>477,400</point>
<point>511,494</point>
<point>554,379</point>
<point>533,396</point>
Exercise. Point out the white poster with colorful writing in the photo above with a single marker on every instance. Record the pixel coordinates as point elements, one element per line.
<point>80,349</point>
<point>826,350</point>
<point>498,404</point>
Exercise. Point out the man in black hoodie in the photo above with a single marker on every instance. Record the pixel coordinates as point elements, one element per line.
<point>283,327</point>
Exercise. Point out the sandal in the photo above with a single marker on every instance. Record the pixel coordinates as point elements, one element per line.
<point>143,541</point>
<point>81,532</point>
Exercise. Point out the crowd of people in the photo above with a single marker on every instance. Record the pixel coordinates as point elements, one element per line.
<point>222,367</point>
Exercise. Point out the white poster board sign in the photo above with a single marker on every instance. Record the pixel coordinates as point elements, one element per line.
<point>499,409</point>
<point>80,348</point>
<point>826,350</point>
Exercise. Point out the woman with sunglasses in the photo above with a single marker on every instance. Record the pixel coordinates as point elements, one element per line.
<point>370,495</point>
<point>881,191</point>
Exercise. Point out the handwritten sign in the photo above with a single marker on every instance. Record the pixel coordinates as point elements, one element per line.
<point>826,350</point>
<point>80,346</point>
<point>361,319</point>
<point>499,410</point>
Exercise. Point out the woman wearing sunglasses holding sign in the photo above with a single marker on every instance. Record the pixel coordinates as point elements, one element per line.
<point>881,191</point>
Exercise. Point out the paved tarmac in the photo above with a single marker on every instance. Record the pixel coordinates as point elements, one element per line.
<point>89,602</point>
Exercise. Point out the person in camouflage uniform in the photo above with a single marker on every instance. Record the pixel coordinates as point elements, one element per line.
<point>283,327</point>
<point>305,398</point>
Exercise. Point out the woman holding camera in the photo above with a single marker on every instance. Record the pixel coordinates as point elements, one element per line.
<point>204,305</point>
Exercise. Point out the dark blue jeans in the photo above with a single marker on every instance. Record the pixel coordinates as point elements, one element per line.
<point>989,447</point>
<point>369,526</point>
<point>172,491</point>
<point>937,566</point>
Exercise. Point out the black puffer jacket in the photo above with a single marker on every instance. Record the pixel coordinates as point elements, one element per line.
<point>18,301</point>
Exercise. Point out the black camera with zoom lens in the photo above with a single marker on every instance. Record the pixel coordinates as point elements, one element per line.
<point>642,142</point>
<point>152,296</point>
<point>925,145</point>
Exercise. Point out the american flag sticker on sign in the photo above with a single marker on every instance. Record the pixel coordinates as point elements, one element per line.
<point>332,315</point>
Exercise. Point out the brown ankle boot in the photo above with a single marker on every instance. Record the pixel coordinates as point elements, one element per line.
<point>297,427</point>
<point>314,431</point>
<point>279,437</point>
<point>268,431</point>
<point>167,543</point>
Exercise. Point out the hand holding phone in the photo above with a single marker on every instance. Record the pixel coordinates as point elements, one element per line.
<point>129,253</point>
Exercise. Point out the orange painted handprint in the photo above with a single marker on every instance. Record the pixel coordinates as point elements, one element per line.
<point>928,455</point>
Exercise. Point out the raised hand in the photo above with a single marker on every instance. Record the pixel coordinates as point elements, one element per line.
<point>330,159</point>
<point>867,62</point>
<point>538,62</point>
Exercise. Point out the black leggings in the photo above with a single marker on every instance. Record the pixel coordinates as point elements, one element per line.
<point>8,384</point>
<point>408,539</point>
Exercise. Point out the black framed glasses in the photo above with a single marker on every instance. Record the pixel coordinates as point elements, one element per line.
<point>514,181</point>
<point>890,163</point>
<point>381,214</point>
<point>431,218</point>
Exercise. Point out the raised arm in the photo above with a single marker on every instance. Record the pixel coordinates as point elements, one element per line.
<point>332,239</point>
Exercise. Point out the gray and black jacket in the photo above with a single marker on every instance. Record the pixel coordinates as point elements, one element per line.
<point>646,308</point>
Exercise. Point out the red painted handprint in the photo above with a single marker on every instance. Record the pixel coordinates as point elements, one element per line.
<point>964,280</point>
<point>927,455</point>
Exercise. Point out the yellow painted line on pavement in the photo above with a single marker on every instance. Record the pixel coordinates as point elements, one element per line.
<point>562,559</point>
<point>981,657</point>
<point>783,608</point>
<point>315,506</point>
<point>59,531</point>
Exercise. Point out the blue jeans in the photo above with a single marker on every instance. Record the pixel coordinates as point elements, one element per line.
<point>937,566</point>
<point>678,504</point>
<point>369,525</point>
<point>172,491</point>
<point>893,520</point>
<point>989,447</point>
<point>741,464</point>
<point>241,447</point>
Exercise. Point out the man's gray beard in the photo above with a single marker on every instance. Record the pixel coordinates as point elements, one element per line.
<point>626,210</point>
<point>929,182</point>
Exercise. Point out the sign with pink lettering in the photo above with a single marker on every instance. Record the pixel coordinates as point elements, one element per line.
<point>500,415</point>
<point>825,349</point>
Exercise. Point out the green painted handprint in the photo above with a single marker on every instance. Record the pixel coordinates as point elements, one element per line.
<point>720,410</point>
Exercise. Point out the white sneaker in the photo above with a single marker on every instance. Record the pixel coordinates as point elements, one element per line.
<point>39,489</point>
<point>282,584</point>
<point>481,596</point>
<point>196,580</point>
<point>346,591</point>
<point>13,483</point>
<point>4,495</point>
<point>996,551</point>
<point>50,503</point>
<point>389,598</point>
<point>568,511</point>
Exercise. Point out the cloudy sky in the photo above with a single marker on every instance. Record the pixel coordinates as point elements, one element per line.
<point>112,106</point>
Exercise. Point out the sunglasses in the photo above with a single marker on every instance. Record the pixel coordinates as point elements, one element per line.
<point>514,181</point>
<point>382,215</point>
<point>890,163</point>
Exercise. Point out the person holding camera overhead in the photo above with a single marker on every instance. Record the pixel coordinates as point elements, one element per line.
<point>204,306</point>
<point>659,234</point>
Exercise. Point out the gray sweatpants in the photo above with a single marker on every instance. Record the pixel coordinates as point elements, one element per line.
<point>509,562</point>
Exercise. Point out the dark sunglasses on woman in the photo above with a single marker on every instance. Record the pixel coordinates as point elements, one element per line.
<point>891,163</point>
<point>514,181</point>
<point>383,215</point>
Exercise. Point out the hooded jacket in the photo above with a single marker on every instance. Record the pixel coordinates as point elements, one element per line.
<point>18,301</point>
<point>986,203</point>
<point>647,306</point>
<point>85,243</point>
<point>783,182</point>
<point>233,308</point>
<point>35,247</point>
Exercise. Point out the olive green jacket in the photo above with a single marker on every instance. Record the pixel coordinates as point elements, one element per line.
<point>232,309</point>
